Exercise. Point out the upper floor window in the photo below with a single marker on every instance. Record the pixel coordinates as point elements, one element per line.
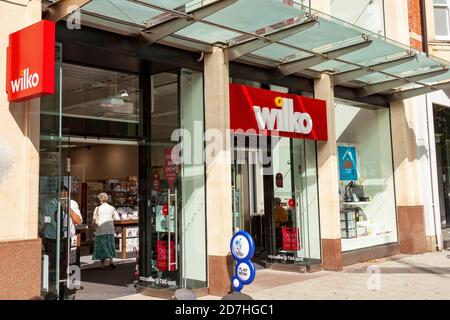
<point>442,19</point>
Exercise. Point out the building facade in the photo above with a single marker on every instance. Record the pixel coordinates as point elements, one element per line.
<point>309,124</point>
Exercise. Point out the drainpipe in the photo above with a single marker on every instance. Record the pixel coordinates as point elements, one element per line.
<point>423,25</point>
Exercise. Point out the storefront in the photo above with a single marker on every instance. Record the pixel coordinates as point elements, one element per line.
<point>274,173</point>
<point>198,128</point>
<point>112,128</point>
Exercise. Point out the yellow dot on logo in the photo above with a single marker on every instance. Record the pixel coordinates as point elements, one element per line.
<point>279,102</point>
<point>21,73</point>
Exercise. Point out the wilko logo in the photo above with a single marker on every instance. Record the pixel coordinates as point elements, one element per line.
<point>266,112</point>
<point>26,81</point>
<point>284,119</point>
<point>30,64</point>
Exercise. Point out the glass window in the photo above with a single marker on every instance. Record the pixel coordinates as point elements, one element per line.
<point>178,242</point>
<point>99,94</point>
<point>441,18</point>
<point>193,180</point>
<point>366,181</point>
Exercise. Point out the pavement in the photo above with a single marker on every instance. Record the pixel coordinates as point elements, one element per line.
<point>424,276</point>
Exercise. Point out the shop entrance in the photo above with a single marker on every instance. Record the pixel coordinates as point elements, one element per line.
<point>275,200</point>
<point>105,168</point>
<point>117,133</point>
<point>248,200</point>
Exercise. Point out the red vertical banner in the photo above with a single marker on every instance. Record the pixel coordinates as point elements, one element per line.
<point>291,238</point>
<point>170,168</point>
<point>162,255</point>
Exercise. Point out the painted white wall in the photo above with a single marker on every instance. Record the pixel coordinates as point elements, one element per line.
<point>19,138</point>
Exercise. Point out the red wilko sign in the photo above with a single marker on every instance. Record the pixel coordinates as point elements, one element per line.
<point>30,59</point>
<point>274,113</point>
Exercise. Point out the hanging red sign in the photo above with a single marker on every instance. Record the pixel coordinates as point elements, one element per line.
<point>267,112</point>
<point>162,255</point>
<point>165,209</point>
<point>290,238</point>
<point>279,180</point>
<point>170,168</point>
<point>30,60</point>
<point>291,203</point>
<point>156,181</point>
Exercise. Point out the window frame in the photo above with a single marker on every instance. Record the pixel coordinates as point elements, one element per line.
<point>447,7</point>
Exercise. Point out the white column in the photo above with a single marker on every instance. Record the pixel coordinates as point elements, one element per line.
<point>218,171</point>
<point>327,166</point>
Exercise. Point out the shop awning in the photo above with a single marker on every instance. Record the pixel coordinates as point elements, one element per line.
<point>286,39</point>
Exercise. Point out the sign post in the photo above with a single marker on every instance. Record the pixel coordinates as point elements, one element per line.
<point>242,247</point>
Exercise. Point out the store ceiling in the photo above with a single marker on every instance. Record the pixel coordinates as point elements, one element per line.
<point>285,39</point>
<point>99,94</point>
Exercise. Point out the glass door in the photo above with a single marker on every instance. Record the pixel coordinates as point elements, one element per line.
<point>51,178</point>
<point>294,223</point>
<point>164,246</point>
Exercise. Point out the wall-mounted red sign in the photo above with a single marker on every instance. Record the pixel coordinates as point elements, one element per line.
<point>30,60</point>
<point>267,112</point>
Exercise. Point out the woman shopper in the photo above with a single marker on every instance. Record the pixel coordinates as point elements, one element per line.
<point>104,248</point>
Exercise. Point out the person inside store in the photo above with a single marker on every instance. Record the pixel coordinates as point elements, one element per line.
<point>103,222</point>
<point>281,219</point>
<point>49,229</point>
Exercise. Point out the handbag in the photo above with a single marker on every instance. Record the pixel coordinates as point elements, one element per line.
<point>94,219</point>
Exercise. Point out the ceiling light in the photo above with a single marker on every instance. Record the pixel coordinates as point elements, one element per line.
<point>123,93</point>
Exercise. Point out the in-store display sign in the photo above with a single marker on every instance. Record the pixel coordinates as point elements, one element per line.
<point>242,247</point>
<point>163,218</point>
<point>30,57</point>
<point>348,163</point>
<point>170,168</point>
<point>156,181</point>
<point>274,113</point>
<point>290,237</point>
<point>279,180</point>
<point>162,255</point>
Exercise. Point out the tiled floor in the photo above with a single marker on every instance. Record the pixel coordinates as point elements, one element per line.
<point>100,284</point>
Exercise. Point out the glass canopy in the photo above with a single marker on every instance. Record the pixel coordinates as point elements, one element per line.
<point>286,36</point>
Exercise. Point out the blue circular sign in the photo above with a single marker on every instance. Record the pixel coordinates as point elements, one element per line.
<point>236,284</point>
<point>245,272</point>
<point>242,246</point>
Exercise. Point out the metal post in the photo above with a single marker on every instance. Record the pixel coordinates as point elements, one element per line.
<point>176,230</point>
<point>168,229</point>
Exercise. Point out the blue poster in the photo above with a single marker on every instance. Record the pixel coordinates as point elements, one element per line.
<point>348,165</point>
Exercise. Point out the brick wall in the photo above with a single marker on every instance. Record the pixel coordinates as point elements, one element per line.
<point>415,26</point>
